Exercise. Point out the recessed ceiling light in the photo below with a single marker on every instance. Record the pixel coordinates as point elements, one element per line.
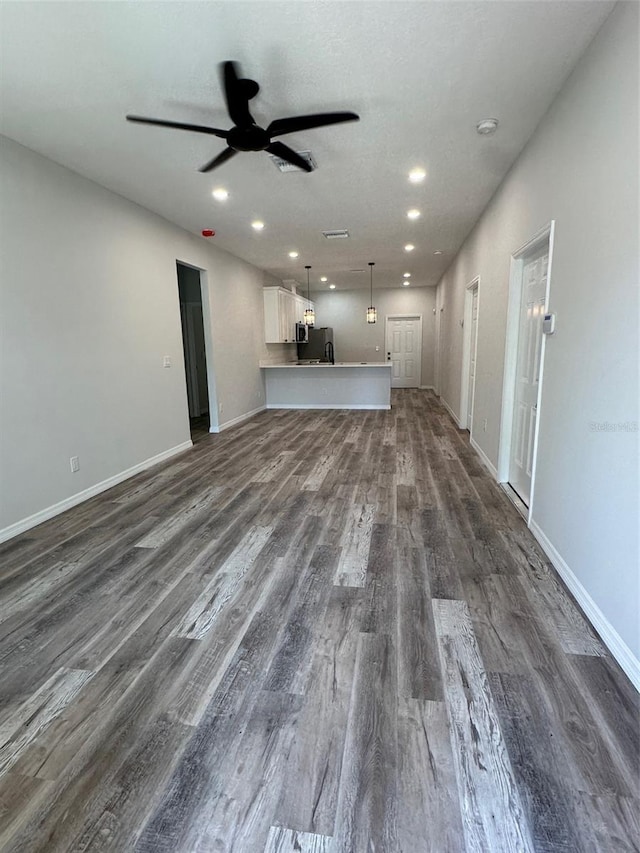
<point>437,252</point>
<point>293,254</point>
<point>257,225</point>
<point>409,247</point>
<point>487,126</point>
<point>406,283</point>
<point>406,274</point>
<point>220,194</point>
<point>331,286</point>
<point>416,176</point>
<point>414,213</point>
<point>323,278</point>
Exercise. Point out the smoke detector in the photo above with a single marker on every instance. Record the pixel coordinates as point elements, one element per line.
<point>336,234</point>
<point>487,126</point>
<point>284,166</point>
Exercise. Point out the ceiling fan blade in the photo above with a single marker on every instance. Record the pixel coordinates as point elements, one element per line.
<point>288,154</point>
<point>237,95</point>
<point>218,160</point>
<point>198,128</point>
<point>290,125</point>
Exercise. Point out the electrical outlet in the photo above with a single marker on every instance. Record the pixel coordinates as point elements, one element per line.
<point>377,349</point>
<point>166,361</point>
<point>74,461</point>
<point>484,425</point>
<point>221,408</point>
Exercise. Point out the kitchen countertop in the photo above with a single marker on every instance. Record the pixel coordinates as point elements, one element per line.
<point>327,364</point>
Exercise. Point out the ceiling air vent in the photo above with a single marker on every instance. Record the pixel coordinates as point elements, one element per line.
<point>284,166</point>
<point>338,234</point>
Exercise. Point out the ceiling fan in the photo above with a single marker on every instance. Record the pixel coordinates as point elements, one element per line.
<point>246,135</point>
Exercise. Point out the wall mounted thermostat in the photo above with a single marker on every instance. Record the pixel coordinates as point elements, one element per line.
<point>549,324</point>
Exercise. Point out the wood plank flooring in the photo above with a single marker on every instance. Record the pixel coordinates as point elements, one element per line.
<point>323,632</point>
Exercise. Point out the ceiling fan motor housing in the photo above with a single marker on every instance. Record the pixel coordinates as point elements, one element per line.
<point>252,138</point>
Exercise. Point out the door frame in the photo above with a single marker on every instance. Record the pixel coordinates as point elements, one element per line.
<point>415,316</point>
<point>518,259</point>
<point>466,352</point>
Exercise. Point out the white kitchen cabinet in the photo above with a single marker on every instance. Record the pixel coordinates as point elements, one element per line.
<point>282,310</point>
<point>287,309</point>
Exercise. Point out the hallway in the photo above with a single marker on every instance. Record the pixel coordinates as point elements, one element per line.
<point>322,631</point>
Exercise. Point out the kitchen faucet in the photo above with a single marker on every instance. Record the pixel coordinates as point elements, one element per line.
<point>329,346</point>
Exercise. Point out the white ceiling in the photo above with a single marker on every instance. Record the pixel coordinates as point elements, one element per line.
<point>420,74</point>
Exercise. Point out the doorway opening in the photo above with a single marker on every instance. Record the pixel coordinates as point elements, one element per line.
<point>194,347</point>
<point>529,283</point>
<point>403,343</point>
<point>469,353</point>
<point>438,314</point>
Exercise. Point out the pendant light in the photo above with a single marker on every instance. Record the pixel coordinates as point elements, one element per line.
<point>309,315</point>
<point>372,314</point>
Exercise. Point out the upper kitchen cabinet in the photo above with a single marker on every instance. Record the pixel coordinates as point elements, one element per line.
<point>282,310</point>
<point>302,303</point>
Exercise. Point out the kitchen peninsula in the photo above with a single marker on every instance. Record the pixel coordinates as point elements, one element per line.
<point>344,385</point>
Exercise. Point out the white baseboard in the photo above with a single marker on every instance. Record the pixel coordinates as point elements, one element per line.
<point>326,406</point>
<point>427,388</point>
<point>92,491</point>
<point>612,640</point>
<point>452,413</point>
<point>238,420</point>
<point>488,464</point>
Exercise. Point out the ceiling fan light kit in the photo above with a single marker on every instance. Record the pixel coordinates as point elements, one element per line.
<point>246,135</point>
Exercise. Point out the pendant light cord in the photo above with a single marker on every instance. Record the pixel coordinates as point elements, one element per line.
<point>308,297</point>
<point>371,266</point>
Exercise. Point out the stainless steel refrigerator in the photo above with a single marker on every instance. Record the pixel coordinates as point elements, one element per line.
<point>317,344</point>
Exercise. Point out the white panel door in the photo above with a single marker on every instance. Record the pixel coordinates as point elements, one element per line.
<point>472,356</point>
<point>404,348</point>
<point>525,410</point>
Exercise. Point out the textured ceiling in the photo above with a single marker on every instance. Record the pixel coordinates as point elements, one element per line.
<point>420,74</point>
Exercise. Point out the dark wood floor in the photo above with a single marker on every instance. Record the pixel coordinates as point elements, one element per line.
<point>319,631</point>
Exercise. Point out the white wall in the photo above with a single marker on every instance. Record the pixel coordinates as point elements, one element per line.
<point>356,340</point>
<point>581,169</point>
<point>89,308</point>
